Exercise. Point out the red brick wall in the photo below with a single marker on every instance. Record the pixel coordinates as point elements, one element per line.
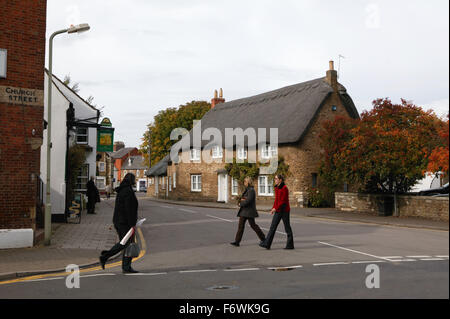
<point>22,33</point>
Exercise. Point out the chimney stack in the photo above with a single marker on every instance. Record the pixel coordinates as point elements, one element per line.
<point>331,78</point>
<point>217,100</point>
<point>118,146</point>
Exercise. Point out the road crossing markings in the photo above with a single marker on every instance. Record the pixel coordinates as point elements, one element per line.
<point>280,232</point>
<point>188,210</point>
<point>227,220</point>
<point>245,269</point>
<point>147,274</point>
<point>432,259</point>
<point>354,251</point>
<point>368,262</point>
<point>332,264</point>
<point>194,271</point>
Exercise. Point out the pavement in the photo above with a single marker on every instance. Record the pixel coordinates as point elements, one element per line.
<point>71,243</point>
<point>81,244</point>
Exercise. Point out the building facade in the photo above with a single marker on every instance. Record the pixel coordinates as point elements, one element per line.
<point>81,131</point>
<point>297,111</point>
<point>22,60</point>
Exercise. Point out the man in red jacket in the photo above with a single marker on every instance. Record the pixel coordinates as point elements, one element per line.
<point>282,210</point>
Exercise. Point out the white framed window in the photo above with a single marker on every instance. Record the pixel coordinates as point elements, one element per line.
<point>101,166</point>
<point>174,179</point>
<point>100,182</point>
<point>265,186</point>
<point>170,183</point>
<point>196,183</point>
<point>162,181</point>
<point>234,186</point>
<point>269,151</point>
<point>195,154</point>
<point>242,153</point>
<point>82,178</point>
<point>82,135</point>
<point>217,152</point>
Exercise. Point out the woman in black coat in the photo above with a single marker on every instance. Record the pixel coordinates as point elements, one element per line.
<point>93,195</point>
<point>248,212</point>
<point>125,217</point>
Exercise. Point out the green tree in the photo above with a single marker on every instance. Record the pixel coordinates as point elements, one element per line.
<point>158,132</point>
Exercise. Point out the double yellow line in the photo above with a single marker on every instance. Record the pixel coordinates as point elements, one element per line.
<point>96,268</point>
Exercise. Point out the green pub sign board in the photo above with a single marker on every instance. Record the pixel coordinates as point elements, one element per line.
<point>105,136</point>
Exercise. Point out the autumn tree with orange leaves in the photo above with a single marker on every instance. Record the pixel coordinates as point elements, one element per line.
<point>386,151</point>
<point>438,159</point>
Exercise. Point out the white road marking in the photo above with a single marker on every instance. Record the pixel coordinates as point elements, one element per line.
<point>230,221</point>
<point>280,232</point>
<point>368,262</point>
<point>288,267</point>
<point>166,206</point>
<point>331,264</point>
<point>402,260</point>
<point>245,269</point>
<point>193,271</point>
<point>354,251</point>
<point>432,259</point>
<point>97,275</point>
<point>441,256</point>
<point>187,210</point>
<point>148,274</point>
<point>418,257</point>
<point>45,279</point>
<point>392,257</point>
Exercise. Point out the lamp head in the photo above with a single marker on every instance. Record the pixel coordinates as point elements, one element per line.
<point>78,28</point>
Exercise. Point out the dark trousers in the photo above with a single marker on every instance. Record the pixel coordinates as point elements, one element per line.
<point>91,206</point>
<point>122,230</point>
<point>277,217</point>
<point>253,225</point>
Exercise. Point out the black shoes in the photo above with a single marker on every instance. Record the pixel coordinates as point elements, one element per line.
<point>289,248</point>
<point>102,262</point>
<point>130,271</point>
<point>261,244</point>
<point>235,244</point>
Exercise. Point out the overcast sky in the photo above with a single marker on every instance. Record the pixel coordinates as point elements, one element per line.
<point>143,56</point>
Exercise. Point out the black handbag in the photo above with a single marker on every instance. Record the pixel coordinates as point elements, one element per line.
<point>133,250</point>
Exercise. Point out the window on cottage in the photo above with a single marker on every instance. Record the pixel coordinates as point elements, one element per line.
<point>175,180</point>
<point>82,178</point>
<point>269,151</point>
<point>101,166</point>
<point>314,180</point>
<point>265,186</point>
<point>234,186</point>
<point>196,183</point>
<point>242,153</point>
<point>82,135</point>
<point>217,152</point>
<point>100,182</point>
<point>170,183</point>
<point>195,154</point>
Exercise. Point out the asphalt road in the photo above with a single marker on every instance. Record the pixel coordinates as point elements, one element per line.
<point>189,256</point>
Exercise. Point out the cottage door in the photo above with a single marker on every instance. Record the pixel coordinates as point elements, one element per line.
<point>222,188</point>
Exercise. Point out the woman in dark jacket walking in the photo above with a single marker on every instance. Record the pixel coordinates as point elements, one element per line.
<point>93,195</point>
<point>125,217</point>
<point>248,212</point>
<point>282,210</point>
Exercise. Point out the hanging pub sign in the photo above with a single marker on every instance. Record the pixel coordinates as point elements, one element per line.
<point>105,136</point>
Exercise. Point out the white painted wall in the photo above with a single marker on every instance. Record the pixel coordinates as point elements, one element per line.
<point>58,151</point>
<point>16,238</point>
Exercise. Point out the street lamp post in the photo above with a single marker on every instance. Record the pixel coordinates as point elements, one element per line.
<point>48,206</point>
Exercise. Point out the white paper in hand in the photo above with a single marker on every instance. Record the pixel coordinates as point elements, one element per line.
<point>127,236</point>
